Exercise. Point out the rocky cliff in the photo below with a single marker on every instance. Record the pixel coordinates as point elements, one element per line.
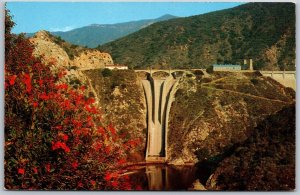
<point>210,115</point>
<point>63,54</point>
<point>92,60</point>
<point>49,50</point>
<point>121,98</point>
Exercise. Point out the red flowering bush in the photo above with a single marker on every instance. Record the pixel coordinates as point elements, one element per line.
<point>54,136</point>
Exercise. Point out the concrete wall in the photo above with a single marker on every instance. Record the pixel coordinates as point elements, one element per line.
<point>159,95</point>
<point>286,78</point>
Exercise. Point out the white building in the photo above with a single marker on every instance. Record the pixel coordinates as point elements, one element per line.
<point>116,66</point>
<point>226,67</point>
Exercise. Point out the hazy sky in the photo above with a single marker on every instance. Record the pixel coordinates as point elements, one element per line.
<point>59,16</point>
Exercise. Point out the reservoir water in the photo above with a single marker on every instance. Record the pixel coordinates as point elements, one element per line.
<point>163,177</point>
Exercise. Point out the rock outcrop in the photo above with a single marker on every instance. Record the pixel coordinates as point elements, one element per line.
<point>55,50</point>
<point>49,51</point>
<point>92,59</point>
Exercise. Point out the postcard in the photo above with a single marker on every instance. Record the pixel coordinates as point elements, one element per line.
<point>150,96</point>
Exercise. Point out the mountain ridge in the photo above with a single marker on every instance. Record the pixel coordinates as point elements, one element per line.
<point>264,32</point>
<point>96,34</point>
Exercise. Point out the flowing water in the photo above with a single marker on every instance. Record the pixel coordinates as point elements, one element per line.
<point>163,177</point>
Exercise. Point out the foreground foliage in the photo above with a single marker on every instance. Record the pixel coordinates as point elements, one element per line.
<point>54,134</point>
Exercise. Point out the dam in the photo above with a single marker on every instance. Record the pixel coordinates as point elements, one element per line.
<point>159,93</point>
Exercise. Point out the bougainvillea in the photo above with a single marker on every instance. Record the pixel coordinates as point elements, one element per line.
<point>54,136</point>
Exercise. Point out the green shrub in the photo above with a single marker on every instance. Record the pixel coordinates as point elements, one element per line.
<point>189,75</point>
<point>73,68</point>
<point>106,72</point>
<point>198,72</point>
<point>254,81</point>
<point>210,69</point>
<point>75,82</point>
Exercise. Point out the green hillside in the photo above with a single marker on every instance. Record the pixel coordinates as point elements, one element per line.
<point>264,32</point>
<point>97,34</point>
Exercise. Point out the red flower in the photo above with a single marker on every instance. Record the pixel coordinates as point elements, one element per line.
<point>27,82</point>
<point>108,176</point>
<point>64,137</point>
<point>90,101</point>
<point>101,130</point>
<point>47,167</point>
<point>21,171</point>
<point>77,132</point>
<point>126,186</point>
<point>77,123</point>
<point>40,82</point>
<point>112,129</point>
<point>89,118</point>
<point>66,149</point>
<point>107,149</point>
<point>121,161</point>
<point>114,184</point>
<point>35,104</point>
<point>44,96</point>
<point>139,187</point>
<point>61,74</point>
<point>61,145</point>
<point>75,164</point>
<point>97,146</point>
<point>12,79</point>
<point>58,127</point>
<point>62,86</point>
<point>93,182</point>
<point>67,104</point>
<point>91,109</point>
<point>82,88</point>
<point>80,184</point>
<point>35,170</point>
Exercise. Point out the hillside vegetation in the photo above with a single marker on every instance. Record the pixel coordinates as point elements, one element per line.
<point>264,32</point>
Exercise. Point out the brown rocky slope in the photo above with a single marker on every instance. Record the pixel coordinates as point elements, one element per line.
<point>265,161</point>
<point>210,115</point>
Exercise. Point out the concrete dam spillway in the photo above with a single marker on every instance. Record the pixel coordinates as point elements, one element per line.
<point>159,95</point>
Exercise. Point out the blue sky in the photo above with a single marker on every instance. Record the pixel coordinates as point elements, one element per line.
<point>59,16</point>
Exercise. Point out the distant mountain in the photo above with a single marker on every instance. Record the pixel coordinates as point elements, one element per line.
<point>98,34</point>
<point>264,32</point>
